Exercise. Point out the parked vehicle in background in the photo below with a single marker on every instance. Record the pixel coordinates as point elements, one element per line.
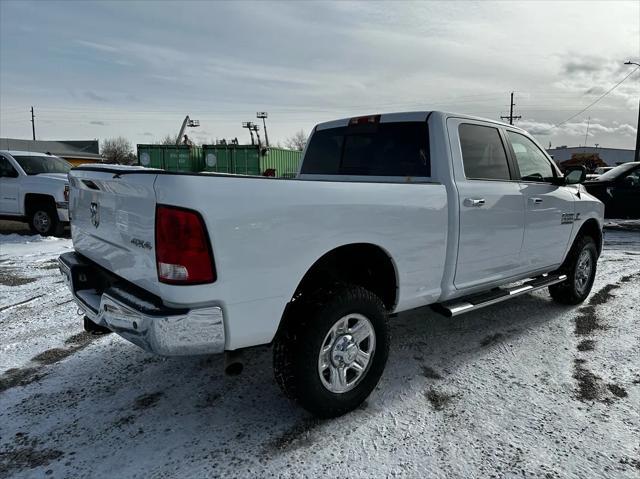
<point>34,188</point>
<point>388,213</point>
<point>598,171</point>
<point>619,190</point>
<point>603,169</point>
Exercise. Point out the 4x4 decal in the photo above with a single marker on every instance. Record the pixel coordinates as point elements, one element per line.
<point>569,218</point>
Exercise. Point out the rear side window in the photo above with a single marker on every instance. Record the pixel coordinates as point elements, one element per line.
<point>383,149</point>
<point>483,153</point>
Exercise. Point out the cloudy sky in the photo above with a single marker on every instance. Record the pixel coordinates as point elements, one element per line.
<point>102,69</point>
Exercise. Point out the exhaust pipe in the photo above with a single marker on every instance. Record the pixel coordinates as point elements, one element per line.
<point>233,363</point>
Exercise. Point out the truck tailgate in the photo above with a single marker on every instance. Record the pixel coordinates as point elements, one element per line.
<point>112,221</point>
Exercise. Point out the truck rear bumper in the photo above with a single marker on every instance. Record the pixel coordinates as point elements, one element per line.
<point>140,317</point>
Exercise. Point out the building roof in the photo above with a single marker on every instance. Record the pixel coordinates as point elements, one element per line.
<point>81,149</point>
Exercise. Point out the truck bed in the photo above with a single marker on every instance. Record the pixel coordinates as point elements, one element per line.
<point>265,234</point>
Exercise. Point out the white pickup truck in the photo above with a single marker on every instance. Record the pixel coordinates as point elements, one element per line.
<point>34,188</point>
<point>388,212</point>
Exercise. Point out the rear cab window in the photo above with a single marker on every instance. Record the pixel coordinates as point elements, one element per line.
<point>394,149</point>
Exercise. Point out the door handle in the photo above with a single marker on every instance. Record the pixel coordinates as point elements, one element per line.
<point>474,202</point>
<point>536,201</point>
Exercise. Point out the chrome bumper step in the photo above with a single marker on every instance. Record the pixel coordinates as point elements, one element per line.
<point>465,304</point>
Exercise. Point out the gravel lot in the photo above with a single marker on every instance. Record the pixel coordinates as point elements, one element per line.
<point>523,389</point>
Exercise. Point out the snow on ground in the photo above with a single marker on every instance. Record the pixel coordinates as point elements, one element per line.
<point>527,388</point>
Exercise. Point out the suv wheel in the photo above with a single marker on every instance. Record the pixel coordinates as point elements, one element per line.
<point>333,350</point>
<point>580,268</point>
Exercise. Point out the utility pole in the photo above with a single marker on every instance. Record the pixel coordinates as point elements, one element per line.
<point>33,124</point>
<point>636,156</point>
<point>587,133</point>
<point>511,117</point>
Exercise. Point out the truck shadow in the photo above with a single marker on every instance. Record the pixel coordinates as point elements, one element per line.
<point>163,412</point>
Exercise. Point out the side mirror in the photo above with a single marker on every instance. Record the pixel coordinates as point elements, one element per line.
<point>574,175</point>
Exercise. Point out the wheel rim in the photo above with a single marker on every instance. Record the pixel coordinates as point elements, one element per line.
<point>346,353</point>
<point>41,221</point>
<point>584,268</point>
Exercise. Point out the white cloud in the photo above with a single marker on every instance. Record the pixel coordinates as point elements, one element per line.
<point>141,66</point>
<point>97,46</point>
<point>577,129</point>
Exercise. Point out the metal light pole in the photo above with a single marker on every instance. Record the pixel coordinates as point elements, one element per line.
<point>263,115</point>
<point>255,128</point>
<point>636,156</point>
<point>249,126</point>
<point>188,122</point>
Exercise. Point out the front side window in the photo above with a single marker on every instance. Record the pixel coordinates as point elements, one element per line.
<point>532,163</point>
<point>34,165</point>
<point>384,149</point>
<point>6,170</point>
<point>483,153</point>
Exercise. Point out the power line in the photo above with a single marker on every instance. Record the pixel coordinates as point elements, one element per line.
<point>596,100</point>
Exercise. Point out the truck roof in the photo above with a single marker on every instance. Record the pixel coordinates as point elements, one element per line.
<point>409,116</point>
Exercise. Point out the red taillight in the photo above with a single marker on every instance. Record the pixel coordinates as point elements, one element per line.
<point>183,253</point>
<point>66,193</point>
<point>364,120</point>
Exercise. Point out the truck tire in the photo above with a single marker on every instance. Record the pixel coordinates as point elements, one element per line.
<point>332,350</point>
<point>43,220</point>
<point>580,268</point>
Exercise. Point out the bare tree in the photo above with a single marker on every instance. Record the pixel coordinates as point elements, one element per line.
<point>297,141</point>
<point>118,150</point>
<point>168,139</point>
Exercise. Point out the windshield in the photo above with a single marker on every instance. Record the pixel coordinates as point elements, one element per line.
<point>615,172</point>
<point>34,165</point>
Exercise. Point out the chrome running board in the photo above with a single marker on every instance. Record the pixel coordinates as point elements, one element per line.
<point>458,306</point>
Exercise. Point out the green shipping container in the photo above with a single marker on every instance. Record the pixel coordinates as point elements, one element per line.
<point>246,160</point>
<point>171,157</point>
<point>285,162</point>
<point>151,156</point>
